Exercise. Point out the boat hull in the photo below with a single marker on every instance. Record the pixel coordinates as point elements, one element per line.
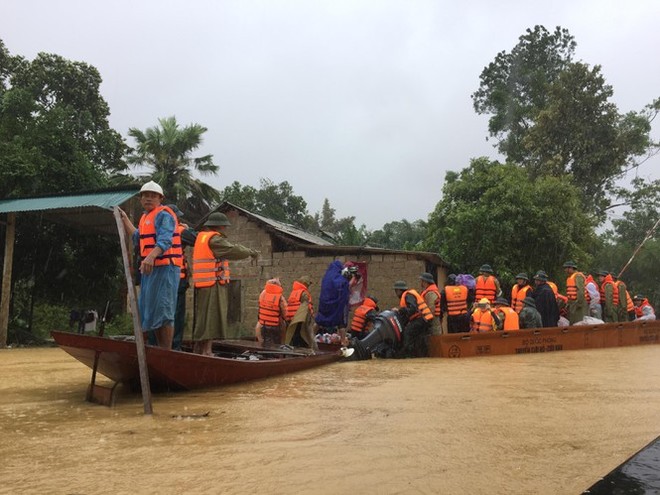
<point>177,370</point>
<point>545,339</point>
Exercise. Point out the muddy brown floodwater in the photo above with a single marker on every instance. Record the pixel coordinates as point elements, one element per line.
<point>546,423</point>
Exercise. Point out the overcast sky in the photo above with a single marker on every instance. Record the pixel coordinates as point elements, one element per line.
<point>366,103</point>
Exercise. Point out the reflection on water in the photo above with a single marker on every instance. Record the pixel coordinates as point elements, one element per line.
<point>550,423</point>
<point>638,475</point>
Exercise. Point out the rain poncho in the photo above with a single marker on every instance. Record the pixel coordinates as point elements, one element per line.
<point>333,301</point>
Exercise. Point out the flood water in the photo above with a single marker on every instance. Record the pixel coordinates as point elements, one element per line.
<point>532,424</point>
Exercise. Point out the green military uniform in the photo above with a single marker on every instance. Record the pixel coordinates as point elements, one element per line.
<point>578,308</point>
<point>211,302</point>
<point>610,311</point>
<point>622,309</point>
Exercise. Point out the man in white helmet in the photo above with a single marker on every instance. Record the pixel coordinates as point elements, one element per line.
<point>161,260</point>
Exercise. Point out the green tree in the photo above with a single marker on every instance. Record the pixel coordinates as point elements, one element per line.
<point>55,138</point>
<point>554,116</point>
<point>276,201</point>
<point>628,232</point>
<point>514,87</point>
<point>167,150</point>
<point>400,234</point>
<point>491,213</point>
<point>54,131</point>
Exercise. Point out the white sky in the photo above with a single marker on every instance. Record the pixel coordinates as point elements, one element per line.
<point>366,103</point>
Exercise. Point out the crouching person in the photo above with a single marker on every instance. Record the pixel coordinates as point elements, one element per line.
<point>400,332</point>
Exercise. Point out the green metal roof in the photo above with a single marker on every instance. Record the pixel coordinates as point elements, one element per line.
<point>90,210</point>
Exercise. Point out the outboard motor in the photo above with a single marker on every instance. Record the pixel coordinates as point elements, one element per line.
<point>387,329</point>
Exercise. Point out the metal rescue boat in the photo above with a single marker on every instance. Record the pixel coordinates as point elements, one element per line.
<point>234,361</point>
<point>545,339</point>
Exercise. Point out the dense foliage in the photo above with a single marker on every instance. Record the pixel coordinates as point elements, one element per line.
<point>167,150</point>
<point>490,213</point>
<point>55,138</point>
<point>555,116</point>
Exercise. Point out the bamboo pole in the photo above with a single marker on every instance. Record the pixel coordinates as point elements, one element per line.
<point>137,329</point>
<point>6,278</point>
<point>649,234</point>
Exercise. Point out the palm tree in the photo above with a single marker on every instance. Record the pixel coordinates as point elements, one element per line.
<point>167,150</point>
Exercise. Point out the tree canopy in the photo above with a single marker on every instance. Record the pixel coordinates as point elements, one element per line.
<point>166,149</point>
<point>491,213</point>
<point>54,130</point>
<point>555,116</point>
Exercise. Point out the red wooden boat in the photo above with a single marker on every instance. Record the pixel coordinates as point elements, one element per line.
<point>235,361</point>
<point>545,339</point>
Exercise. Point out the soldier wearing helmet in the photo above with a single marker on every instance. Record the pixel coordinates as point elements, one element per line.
<point>415,316</point>
<point>211,277</point>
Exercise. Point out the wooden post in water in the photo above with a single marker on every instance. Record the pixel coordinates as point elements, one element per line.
<point>137,328</point>
<point>6,278</point>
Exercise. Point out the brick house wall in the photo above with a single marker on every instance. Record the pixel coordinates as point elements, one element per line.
<point>287,264</point>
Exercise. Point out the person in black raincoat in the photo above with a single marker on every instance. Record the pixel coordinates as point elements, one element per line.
<point>545,300</point>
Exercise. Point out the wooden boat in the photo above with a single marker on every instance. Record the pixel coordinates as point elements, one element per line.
<point>553,339</point>
<point>235,361</point>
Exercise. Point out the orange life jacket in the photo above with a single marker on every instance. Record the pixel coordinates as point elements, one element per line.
<point>482,321</point>
<point>147,231</point>
<point>423,310</point>
<point>586,292</point>
<point>293,303</point>
<point>571,286</point>
<point>517,295</point>
<point>207,270</point>
<point>433,288</point>
<point>511,320</point>
<point>631,305</point>
<point>639,310</point>
<point>615,292</point>
<point>456,296</point>
<point>360,316</point>
<point>184,262</point>
<point>270,310</point>
<point>618,285</point>
<point>486,287</point>
<point>553,286</point>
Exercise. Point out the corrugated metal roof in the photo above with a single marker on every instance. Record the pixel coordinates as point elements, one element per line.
<point>106,200</point>
<point>284,228</point>
<point>313,242</point>
<point>91,211</point>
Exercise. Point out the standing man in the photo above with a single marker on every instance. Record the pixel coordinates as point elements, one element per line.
<point>487,285</point>
<point>575,292</point>
<point>432,298</point>
<point>593,298</point>
<point>300,315</point>
<point>211,277</point>
<point>415,317</point>
<point>520,291</point>
<point>184,236</point>
<point>455,301</point>
<point>545,300</point>
<point>623,296</point>
<point>508,317</point>
<point>609,297</point>
<point>332,314</point>
<point>272,310</point>
<point>160,265</point>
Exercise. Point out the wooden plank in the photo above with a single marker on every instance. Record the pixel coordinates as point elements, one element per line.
<point>137,328</point>
<point>6,278</point>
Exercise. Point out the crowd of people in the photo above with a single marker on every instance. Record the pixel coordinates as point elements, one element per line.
<point>464,304</point>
